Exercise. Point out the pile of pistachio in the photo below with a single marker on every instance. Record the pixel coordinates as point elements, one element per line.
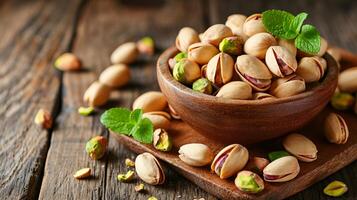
<point>241,60</point>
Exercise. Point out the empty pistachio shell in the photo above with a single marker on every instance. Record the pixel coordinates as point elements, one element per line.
<point>256,164</point>
<point>336,129</point>
<point>230,160</point>
<point>235,23</point>
<point>289,45</point>
<point>220,69</point>
<point>342,101</point>
<point>253,25</point>
<point>280,61</point>
<point>186,71</point>
<point>263,96</point>
<point>287,86</point>
<point>68,62</point>
<point>335,189</point>
<point>125,53</point>
<point>282,169</point>
<point>310,69</point>
<point>201,53</point>
<point>159,119</point>
<point>254,72</point>
<point>232,45</point>
<point>195,154</point>
<point>249,182</point>
<point>162,140</point>
<point>216,33</point>
<point>301,147</point>
<point>97,94</point>
<point>150,101</point>
<point>202,85</point>
<point>347,80</point>
<point>235,90</point>
<point>258,44</point>
<point>115,75</point>
<point>185,38</point>
<point>277,154</point>
<point>149,169</point>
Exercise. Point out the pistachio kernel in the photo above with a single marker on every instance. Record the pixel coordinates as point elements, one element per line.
<point>202,85</point>
<point>250,182</point>
<point>139,187</point>
<point>82,173</point>
<point>180,56</point>
<point>342,101</point>
<point>335,189</point>
<point>277,154</point>
<point>126,177</point>
<point>161,140</point>
<point>152,198</point>
<point>129,162</point>
<point>85,111</point>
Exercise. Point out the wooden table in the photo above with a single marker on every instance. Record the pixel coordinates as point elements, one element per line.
<point>35,163</point>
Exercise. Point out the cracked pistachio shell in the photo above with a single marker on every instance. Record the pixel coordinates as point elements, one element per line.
<point>97,94</point>
<point>220,69</point>
<point>202,85</point>
<point>185,38</point>
<point>263,96</point>
<point>230,160</point>
<point>232,45</point>
<point>280,61</point>
<point>235,90</point>
<point>235,23</point>
<point>201,53</point>
<point>125,53</point>
<point>301,147</point>
<point>115,75</point>
<point>253,25</point>
<point>311,69</point>
<point>148,168</point>
<point>336,129</point>
<point>249,182</point>
<point>216,33</point>
<point>162,140</point>
<point>289,45</point>
<point>159,119</point>
<point>335,189</point>
<point>254,72</point>
<point>258,44</point>
<point>342,101</point>
<point>347,80</point>
<point>186,71</point>
<point>150,101</point>
<point>195,154</point>
<point>287,86</point>
<point>281,170</point>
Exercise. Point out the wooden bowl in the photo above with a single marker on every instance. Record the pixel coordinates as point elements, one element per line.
<point>244,121</point>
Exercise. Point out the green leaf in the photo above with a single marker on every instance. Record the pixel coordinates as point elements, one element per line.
<point>277,22</point>
<point>143,131</point>
<point>295,26</point>
<point>308,40</point>
<point>135,116</point>
<point>117,120</point>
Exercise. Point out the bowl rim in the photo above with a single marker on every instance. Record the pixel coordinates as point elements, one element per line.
<point>164,70</point>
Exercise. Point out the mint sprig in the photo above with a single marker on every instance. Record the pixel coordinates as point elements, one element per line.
<point>284,25</point>
<point>130,123</point>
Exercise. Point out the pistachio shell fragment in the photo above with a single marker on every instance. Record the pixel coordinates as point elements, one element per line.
<point>186,71</point>
<point>311,69</point>
<point>301,147</point>
<point>287,86</point>
<point>85,111</point>
<point>258,44</point>
<point>82,173</point>
<point>162,140</point>
<point>185,38</point>
<point>140,187</point>
<point>195,154</point>
<point>44,119</point>
<point>201,53</point>
<point>277,154</point>
<point>149,169</point>
<point>235,90</point>
<point>216,33</point>
<point>128,176</point>
<point>342,101</point>
<point>347,80</point>
<point>115,76</point>
<point>150,101</point>
<point>159,119</point>
<point>249,182</point>
<point>336,129</point>
<point>230,160</point>
<point>282,169</point>
<point>335,189</point>
<point>125,53</point>
<point>97,94</point>
<point>220,69</point>
<point>280,61</point>
<point>253,25</point>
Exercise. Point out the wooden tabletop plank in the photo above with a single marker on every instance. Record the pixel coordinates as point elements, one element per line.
<point>31,33</point>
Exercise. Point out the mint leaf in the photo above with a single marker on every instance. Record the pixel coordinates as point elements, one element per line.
<point>135,116</point>
<point>308,40</point>
<point>143,131</point>
<point>277,22</point>
<point>117,120</point>
<point>295,26</point>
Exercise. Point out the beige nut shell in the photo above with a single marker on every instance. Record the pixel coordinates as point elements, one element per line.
<point>97,94</point>
<point>235,90</point>
<point>282,169</point>
<point>185,38</point>
<point>253,25</point>
<point>301,147</point>
<point>150,101</point>
<point>159,119</point>
<point>220,69</point>
<point>277,54</point>
<point>336,129</point>
<point>287,86</point>
<point>149,170</point>
<point>195,154</point>
<point>311,69</point>
<point>125,53</point>
<point>201,53</point>
<point>347,80</point>
<point>115,76</point>
<point>216,33</point>
<point>258,44</point>
<point>289,45</point>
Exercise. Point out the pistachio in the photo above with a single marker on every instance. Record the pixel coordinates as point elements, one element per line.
<point>185,38</point>
<point>97,94</point>
<point>146,46</point>
<point>129,162</point>
<point>235,90</point>
<point>44,119</point>
<point>173,113</point>
<point>176,59</point>
<point>289,45</point>
<point>342,101</point>
<point>150,101</point>
<point>152,198</point>
<point>202,85</point>
<point>280,61</point>
<point>301,147</point>
<point>277,154</point>
<point>282,169</point>
<point>263,96</point>
<point>257,164</point>
<point>336,129</point>
<point>201,53</point>
<point>115,76</point>
<point>127,177</point>
<point>335,53</point>
<point>162,140</point>
<point>68,62</point>
<point>125,53</point>
<point>216,33</point>
<point>254,72</point>
<point>258,44</point>
<point>235,23</point>
<point>253,25</point>
<point>287,86</point>
<point>335,189</point>
<point>232,45</point>
<point>220,69</point>
<point>159,119</point>
<point>96,147</point>
<point>249,182</point>
<point>195,154</point>
<point>310,69</point>
<point>85,111</point>
<point>347,80</point>
<point>139,188</point>
<point>230,160</point>
<point>149,169</point>
<point>82,173</point>
<point>186,71</point>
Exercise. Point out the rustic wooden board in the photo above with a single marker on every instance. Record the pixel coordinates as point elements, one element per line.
<point>331,157</point>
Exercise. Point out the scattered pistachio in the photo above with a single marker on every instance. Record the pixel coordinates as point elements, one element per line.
<point>249,182</point>
<point>162,140</point>
<point>277,154</point>
<point>96,147</point>
<point>115,76</point>
<point>150,101</point>
<point>336,129</point>
<point>146,46</point>
<point>129,162</point>
<point>85,111</point>
<point>127,177</point>
<point>97,94</point>
<point>301,147</point>
<point>139,187</point>
<point>335,189</point>
<point>152,198</point>
<point>342,101</point>
<point>68,62</point>
<point>125,53</point>
<point>43,118</point>
<point>347,81</point>
<point>149,169</point>
<point>202,85</point>
<point>82,173</point>
<point>195,154</point>
<point>282,169</point>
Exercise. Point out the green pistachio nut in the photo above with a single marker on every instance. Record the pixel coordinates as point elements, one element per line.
<point>277,154</point>
<point>231,45</point>
<point>180,56</point>
<point>186,71</point>
<point>202,85</point>
<point>85,111</point>
<point>162,140</point>
<point>96,147</point>
<point>126,177</point>
<point>152,198</point>
<point>250,182</point>
<point>146,45</point>
<point>342,101</point>
<point>140,187</point>
<point>335,189</point>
